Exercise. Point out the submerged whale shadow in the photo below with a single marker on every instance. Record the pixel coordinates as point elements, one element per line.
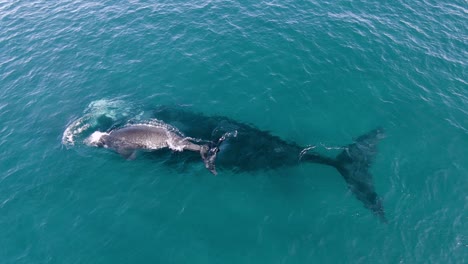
<point>245,148</point>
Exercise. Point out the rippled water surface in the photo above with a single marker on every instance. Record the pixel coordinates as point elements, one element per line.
<point>318,73</point>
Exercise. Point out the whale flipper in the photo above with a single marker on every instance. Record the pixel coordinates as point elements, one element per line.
<point>209,156</point>
<point>128,154</point>
<point>353,164</point>
<point>209,153</point>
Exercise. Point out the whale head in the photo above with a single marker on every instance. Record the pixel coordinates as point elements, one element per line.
<point>96,139</point>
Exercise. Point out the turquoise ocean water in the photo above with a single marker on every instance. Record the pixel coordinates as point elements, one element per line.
<point>314,72</point>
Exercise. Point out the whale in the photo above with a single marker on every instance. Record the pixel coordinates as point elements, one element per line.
<point>243,147</point>
<point>129,139</point>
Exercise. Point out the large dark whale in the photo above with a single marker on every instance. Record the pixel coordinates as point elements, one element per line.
<point>245,148</point>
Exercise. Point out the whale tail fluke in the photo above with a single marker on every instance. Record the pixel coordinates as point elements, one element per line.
<point>353,164</point>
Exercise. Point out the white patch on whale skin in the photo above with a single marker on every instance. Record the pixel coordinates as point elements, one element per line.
<point>94,139</point>
<point>174,142</point>
<point>171,145</point>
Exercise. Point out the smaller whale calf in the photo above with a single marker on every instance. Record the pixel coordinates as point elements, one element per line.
<point>127,140</point>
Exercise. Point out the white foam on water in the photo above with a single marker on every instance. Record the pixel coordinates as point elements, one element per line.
<point>107,108</point>
<point>76,127</point>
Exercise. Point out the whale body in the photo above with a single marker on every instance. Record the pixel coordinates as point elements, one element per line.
<point>245,148</point>
<point>127,140</point>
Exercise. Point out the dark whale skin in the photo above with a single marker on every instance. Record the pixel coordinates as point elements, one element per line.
<point>246,148</point>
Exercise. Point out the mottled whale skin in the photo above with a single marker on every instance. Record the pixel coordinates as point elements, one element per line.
<point>127,140</point>
<point>246,148</point>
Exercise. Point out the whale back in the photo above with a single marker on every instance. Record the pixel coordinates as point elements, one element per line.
<point>248,148</point>
<point>139,137</point>
<point>245,148</point>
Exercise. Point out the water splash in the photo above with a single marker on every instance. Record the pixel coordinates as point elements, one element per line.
<point>100,115</point>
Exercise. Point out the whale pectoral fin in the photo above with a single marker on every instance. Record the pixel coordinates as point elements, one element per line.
<point>210,164</point>
<point>209,155</point>
<point>211,167</point>
<point>128,154</point>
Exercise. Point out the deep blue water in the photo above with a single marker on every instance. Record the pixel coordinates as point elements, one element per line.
<point>314,72</point>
